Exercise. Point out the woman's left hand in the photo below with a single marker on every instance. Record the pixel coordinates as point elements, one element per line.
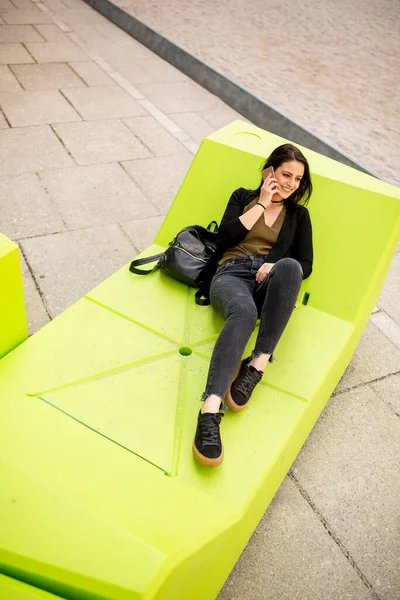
<point>263,271</point>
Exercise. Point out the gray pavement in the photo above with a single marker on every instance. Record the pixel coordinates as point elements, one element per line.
<point>330,66</point>
<point>77,129</point>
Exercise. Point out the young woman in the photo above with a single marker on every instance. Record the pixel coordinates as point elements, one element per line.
<point>266,240</point>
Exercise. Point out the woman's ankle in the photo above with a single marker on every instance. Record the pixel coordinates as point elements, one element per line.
<point>260,362</point>
<point>211,404</point>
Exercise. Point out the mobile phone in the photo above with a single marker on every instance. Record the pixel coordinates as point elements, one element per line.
<point>268,171</point>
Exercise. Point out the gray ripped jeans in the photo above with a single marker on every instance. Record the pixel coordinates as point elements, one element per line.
<point>237,297</point>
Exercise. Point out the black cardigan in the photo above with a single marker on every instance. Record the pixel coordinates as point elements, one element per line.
<point>295,236</point>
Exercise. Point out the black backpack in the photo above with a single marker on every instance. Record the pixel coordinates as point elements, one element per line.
<point>191,258</point>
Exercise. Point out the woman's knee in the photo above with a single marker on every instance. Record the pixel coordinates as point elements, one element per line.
<point>289,267</point>
<point>244,313</point>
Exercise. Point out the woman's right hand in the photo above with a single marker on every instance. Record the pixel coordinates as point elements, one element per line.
<point>269,188</point>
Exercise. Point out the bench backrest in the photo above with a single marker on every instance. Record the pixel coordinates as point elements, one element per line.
<point>355,217</point>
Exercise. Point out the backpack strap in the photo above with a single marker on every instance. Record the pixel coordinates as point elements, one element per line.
<point>143,261</point>
<point>215,228</point>
<point>199,300</point>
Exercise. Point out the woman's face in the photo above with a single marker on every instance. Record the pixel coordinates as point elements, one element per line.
<point>289,175</point>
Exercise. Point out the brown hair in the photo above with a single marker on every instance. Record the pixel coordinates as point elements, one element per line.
<point>284,153</point>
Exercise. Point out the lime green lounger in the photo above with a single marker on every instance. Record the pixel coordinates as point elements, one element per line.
<point>100,496</point>
<point>11,589</point>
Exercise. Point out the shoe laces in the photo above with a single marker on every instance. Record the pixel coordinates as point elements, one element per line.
<point>209,428</point>
<point>248,380</point>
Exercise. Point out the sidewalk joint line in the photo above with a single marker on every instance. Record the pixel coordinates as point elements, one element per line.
<point>5,117</point>
<point>62,143</point>
<point>29,52</point>
<point>358,385</point>
<point>132,178</point>
<point>35,281</point>
<point>126,236</point>
<point>76,73</point>
<point>121,119</point>
<point>16,76</point>
<point>71,105</point>
<point>385,402</point>
<point>332,534</point>
<point>383,311</point>
<point>52,201</point>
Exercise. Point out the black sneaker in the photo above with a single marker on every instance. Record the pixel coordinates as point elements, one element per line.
<point>207,445</point>
<point>242,385</point>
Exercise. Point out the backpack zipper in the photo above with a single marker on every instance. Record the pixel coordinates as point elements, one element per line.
<point>192,255</point>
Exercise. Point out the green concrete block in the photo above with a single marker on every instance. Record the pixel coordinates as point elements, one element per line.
<point>13,326</point>
<point>98,409</point>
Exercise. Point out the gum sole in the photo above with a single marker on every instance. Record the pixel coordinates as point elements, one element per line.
<point>229,401</point>
<point>207,462</point>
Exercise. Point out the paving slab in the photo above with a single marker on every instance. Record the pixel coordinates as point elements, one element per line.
<point>121,57</point>
<point>39,107</point>
<point>101,195</point>
<point>115,35</point>
<point>91,74</point>
<point>19,33</point>
<point>194,125</point>
<point>36,314</point>
<point>28,211</point>
<point>33,16</point>
<point>160,192</point>
<point>56,5</point>
<point>52,33</point>
<point>31,149</point>
<point>52,52</point>
<point>73,3</point>
<point>180,96</point>
<point>103,102</point>
<point>47,76</point>
<point>389,298</point>
<point>11,54</point>
<point>96,142</point>
<point>220,116</point>
<point>24,4</point>
<point>153,135</point>
<point>347,467</point>
<point>88,256</point>
<point>153,70</point>
<point>142,232</point>
<point>6,5</point>
<point>375,357</point>
<point>83,14</point>
<point>7,80</point>
<point>388,326</point>
<point>91,38</point>
<point>292,557</point>
<point>388,390</point>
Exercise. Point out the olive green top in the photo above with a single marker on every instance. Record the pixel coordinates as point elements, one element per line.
<point>259,239</point>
